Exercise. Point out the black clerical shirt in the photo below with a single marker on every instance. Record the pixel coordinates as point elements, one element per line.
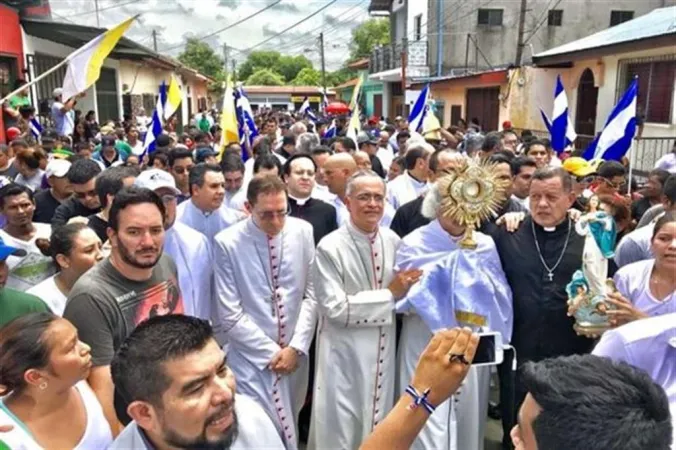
<point>542,328</point>
<point>321,215</point>
<point>408,218</point>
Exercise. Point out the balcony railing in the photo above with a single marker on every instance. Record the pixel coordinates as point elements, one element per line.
<point>388,57</point>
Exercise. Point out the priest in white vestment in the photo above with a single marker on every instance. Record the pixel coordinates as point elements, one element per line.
<point>205,211</point>
<point>265,303</point>
<point>412,183</point>
<point>356,287</point>
<point>188,248</point>
<point>474,281</point>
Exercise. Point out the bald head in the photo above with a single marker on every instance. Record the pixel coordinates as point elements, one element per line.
<point>362,159</point>
<point>337,169</point>
<point>443,161</point>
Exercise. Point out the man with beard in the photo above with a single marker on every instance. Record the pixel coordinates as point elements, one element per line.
<point>188,248</point>
<point>181,393</point>
<point>84,202</point>
<point>205,211</point>
<point>265,304</point>
<point>108,301</point>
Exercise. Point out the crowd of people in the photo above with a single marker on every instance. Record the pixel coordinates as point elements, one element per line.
<point>205,297</point>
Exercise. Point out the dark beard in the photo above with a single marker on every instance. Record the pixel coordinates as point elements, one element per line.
<point>201,443</point>
<point>128,257</point>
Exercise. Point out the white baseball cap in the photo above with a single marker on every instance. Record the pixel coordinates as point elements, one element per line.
<point>57,168</point>
<point>154,179</point>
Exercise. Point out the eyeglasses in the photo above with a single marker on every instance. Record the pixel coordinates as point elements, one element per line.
<point>182,170</point>
<point>613,185</point>
<point>367,198</point>
<point>270,215</point>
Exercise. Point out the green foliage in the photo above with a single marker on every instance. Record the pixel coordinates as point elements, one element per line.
<point>199,56</point>
<point>265,77</point>
<point>291,66</point>
<point>340,76</point>
<point>308,77</point>
<point>287,66</point>
<point>367,36</point>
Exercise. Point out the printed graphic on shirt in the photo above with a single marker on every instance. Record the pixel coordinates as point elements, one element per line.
<point>30,271</point>
<point>159,300</point>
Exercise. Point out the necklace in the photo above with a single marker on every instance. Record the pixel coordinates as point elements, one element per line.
<point>550,271</point>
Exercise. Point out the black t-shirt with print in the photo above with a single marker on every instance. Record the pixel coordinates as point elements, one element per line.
<point>105,307</point>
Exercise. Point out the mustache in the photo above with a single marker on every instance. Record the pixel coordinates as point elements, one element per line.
<point>224,410</point>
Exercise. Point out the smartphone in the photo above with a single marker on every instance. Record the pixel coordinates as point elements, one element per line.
<point>489,352</point>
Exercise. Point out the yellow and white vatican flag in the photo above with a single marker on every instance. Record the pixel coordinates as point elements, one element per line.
<point>84,64</point>
<point>229,132</point>
<point>355,93</point>
<point>354,127</point>
<point>173,98</point>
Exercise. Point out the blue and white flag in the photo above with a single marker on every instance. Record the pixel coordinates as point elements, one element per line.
<point>325,101</point>
<point>155,128</point>
<point>245,120</point>
<point>36,128</point>
<point>616,137</point>
<point>415,119</point>
<point>331,131</point>
<point>306,111</point>
<point>562,132</point>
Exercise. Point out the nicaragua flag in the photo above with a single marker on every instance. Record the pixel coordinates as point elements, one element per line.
<point>36,128</point>
<point>155,128</point>
<point>325,101</point>
<point>331,131</point>
<point>415,119</point>
<point>245,119</point>
<point>616,137</point>
<point>306,111</point>
<point>562,131</point>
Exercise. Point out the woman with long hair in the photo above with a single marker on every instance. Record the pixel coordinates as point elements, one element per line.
<point>648,288</point>
<point>75,248</point>
<point>43,366</point>
<point>28,162</point>
<point>82,133</point>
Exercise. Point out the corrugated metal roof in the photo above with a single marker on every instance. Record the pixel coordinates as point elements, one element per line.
<point>660,22</point>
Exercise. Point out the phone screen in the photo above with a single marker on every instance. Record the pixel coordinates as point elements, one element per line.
<point>485,351</point>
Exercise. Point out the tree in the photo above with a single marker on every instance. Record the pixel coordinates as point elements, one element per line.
<point>367,36</point>
<point>340,76</point>
<point>199,56</point>
<point>265,77</point>
<point>308,77</point>
<point>260,59</point>
<point>291,66</point>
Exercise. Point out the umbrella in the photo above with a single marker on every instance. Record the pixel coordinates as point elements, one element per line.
<point>337,108</point>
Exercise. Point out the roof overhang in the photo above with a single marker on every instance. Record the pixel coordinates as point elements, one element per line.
<point>666,40</point>
<point>379,7</point>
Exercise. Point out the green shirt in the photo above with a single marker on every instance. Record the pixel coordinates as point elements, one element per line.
<point>14,304</point>
<point>122,147</point>
<point>18,101</point>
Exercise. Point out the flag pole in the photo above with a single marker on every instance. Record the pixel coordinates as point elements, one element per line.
<point>631,163</point>
<point>32,82</point>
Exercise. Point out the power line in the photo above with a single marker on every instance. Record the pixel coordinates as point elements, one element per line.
<point>103,9</point>
<point>226,28</point>
<point>541,23</point>
<point>292,26</point>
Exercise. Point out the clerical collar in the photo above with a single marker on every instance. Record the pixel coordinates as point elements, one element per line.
<point>300,201</point>
<point>204,213</point>
<point>370,236</point>
<point>563,226</point>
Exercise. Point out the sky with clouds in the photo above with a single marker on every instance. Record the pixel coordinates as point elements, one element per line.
<point>176,20</point>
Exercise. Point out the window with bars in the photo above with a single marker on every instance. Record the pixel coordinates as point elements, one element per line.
<point>555,18</point>
<point>618,17</point>
<point>491,17</point>
<point>655,87</point>
<point>106,95</point>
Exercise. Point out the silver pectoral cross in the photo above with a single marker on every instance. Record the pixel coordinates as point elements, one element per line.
<point>550,276</point>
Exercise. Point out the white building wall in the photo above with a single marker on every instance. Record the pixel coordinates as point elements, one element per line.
<point>415,8</point>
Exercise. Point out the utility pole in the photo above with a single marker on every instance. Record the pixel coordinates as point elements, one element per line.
<point>404,61</point>
<point>233,63</point>
<point>225,56</point>
<point>522,22</point>
<point>96,5</point>
<point>155,40</point>
<point>321,53</point>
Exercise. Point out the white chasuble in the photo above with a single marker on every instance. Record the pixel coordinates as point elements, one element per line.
<point>264,303</point>
<point>355,369</point>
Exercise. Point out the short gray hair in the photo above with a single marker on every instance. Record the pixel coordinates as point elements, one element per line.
<point>473,143</point>
<point>547,173</point>
<point>298,128</point>
<point>306,143</point>
<point>360,174</point>
<point>431,203</point>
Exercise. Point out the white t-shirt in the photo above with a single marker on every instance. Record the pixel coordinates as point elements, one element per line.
<point>48,292</point>
<point>28,271</point>
<point>96,435</point>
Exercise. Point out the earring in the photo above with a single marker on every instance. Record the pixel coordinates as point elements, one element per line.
<point>43,385</point>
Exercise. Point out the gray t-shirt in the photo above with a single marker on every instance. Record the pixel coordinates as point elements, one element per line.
<point>105,306</point>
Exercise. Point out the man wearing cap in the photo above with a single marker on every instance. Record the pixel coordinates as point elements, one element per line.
<point>187,247</point>
<point>413,183</point>
<point>17,204</point>
<point>14,303</point>
<point>84,202</point>
<point>205,211</point>
<point>582,172</point>
<point>60,190</point>
<point>205,155</point>
<point>62,113</point>
<point>369,145</point>
<point>299,175</point>
<point>108,155</point>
